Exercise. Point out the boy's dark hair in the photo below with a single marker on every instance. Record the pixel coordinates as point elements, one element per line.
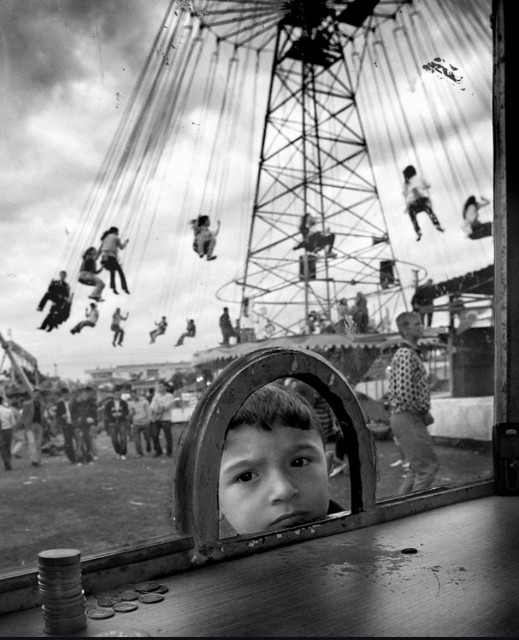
<point>274,403</point>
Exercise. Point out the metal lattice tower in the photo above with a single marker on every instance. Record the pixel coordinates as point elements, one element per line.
<point>315,160</point>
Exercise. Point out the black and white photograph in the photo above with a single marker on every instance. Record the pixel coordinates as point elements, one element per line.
<point>257,346</point>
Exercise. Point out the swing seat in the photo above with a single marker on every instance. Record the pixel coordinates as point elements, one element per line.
<point>87,281</point>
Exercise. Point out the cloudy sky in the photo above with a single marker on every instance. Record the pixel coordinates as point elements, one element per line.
<point>68,72</point>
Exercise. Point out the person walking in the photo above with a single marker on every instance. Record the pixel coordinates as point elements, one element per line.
<point>65,424</point>
<point>160,408</point>
<point>410,403</point>
<point>19,441</point>
<point>33,417</point>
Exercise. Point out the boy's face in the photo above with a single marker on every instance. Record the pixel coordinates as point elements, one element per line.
<point>273,479</point>
<point>414,328</point>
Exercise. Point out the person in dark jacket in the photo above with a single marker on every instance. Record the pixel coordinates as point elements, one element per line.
<point>117,420</point>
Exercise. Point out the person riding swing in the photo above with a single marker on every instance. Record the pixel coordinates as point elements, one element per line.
<point>161,328</point>
<point>205,239</point>
<point>110,245</point>
<point>314,240</point>
<point>88,274</point>
<point>190,332</point>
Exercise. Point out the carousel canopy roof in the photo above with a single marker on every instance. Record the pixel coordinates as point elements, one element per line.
<point>318,342</point>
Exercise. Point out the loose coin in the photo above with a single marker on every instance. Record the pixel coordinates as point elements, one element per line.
<point>129,595</point>
<point>150,598</point>
<point>146,587</point>
<point>162,589</point>
<point>100,613</point>
<point>107,602</point>
<point>125,607</point>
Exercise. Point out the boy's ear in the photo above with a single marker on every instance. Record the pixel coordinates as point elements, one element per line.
<point>329,461</point>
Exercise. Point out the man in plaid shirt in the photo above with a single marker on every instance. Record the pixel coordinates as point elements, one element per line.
<point>410,403</point>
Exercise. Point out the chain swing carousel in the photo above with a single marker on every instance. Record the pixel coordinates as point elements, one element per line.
<point>356,93</point>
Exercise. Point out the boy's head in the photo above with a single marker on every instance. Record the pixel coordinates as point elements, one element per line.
<point>274,468</point>
<point>409,324</point>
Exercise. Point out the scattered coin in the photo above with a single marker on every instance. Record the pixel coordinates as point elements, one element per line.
<point>125,607</point>
<point>150,598</point>
<point>100,613</point>
<point>106,602</point>
<point>146,587</point>
<point>162,589</point>
<point>129,595</point>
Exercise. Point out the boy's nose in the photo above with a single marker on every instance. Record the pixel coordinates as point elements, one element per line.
<point>282,486</point>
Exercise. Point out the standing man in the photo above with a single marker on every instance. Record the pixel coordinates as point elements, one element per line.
<point>91,400</point>
<point>8,422</point>
<point>64,422</point>
<point>410,403</point>
<point>83,416</point>
<point>33,417</point>
<point>423,300</point>
<point>360,313</point>
<point>117,415</point>
<point>226,327</point>
<point>160,408</point>
<point>140,415</point>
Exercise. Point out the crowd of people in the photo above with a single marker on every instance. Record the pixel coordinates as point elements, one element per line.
<point>31,424</point>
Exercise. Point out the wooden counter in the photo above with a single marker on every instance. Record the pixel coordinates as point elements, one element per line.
<point>463,581</point>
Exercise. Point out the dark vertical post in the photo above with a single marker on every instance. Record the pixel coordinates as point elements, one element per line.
<point>506,208</point>
<point>505,17</point>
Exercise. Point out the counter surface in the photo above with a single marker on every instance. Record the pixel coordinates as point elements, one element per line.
<point>462,581</point>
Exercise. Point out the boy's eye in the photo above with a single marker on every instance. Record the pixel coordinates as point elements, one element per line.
<point>246,476</point>
<point>300,462</point>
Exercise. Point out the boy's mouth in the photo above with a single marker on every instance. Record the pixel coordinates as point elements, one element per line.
<point>293,517</point>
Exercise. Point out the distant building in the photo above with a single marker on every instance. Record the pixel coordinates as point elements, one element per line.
<point>141,376</point>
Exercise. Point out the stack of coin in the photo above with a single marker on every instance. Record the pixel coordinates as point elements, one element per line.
<point>62,596</point>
